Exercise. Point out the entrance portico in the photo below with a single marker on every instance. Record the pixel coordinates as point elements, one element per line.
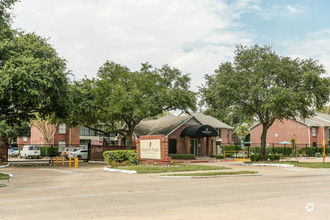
<point>199,140</point>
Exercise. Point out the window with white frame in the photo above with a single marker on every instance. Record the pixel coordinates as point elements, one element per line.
<point>24,138</point>
<point>61,143</point>
<point>314,132</point>
<point>62,129</point>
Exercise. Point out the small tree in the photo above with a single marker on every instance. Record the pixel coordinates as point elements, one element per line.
<point>46,126</point>
<point>294,146</point>
<point>241,131</point>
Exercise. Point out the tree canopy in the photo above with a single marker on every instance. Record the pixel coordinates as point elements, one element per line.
<point>119,95</point>
<point>261,84</point>
<point>11,132</point>
<point>33,77</point>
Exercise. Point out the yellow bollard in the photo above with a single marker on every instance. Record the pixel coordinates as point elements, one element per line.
<point>62,161</point>
<point>56,160</point>
<point>76,162</point>
<point>70,162</point>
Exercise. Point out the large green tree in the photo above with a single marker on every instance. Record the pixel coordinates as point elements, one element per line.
<point>33,77</point>
<point>5,18</point>
<point>120,96</point>
<point>261,84</point>
<point>11,132</point>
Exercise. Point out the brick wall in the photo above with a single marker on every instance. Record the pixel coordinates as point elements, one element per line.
<point>21,142</point>
<point>165,159</point>
<point>97,151</point>
<point>182,143</point>
<point>286,130</point>
<point>71,136</point>
<point>226,136</point>
<point>3,152</point>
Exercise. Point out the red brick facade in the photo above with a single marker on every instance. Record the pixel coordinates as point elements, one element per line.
<point>70,137</point>
<point>165,159</point>
<point>288,129</point>
<point>3,152</point>
<point>207,144</point>
<point>226,136</point>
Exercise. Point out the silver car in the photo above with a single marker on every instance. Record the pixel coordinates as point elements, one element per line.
<point>81,154</point>
<point>67,151</point>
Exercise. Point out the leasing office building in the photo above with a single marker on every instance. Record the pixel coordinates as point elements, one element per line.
<point>197,134</point>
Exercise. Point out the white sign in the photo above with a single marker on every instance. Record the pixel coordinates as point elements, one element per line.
<point>150,149</point>
<point>97,142</point>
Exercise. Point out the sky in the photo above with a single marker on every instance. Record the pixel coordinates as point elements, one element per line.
<point>195,36</point>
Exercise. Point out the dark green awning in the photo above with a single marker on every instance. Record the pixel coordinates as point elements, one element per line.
<point>199,131</point>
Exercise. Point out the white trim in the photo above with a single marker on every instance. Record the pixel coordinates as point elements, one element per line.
<point>323,136</point>
<point>192,116</point>
<point>182,124</point>
<point>309,135</point>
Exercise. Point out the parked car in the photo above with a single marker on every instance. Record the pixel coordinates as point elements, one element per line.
<point>32,151</point>
<point>13,152</point>
<point>81,154</point>
<point>67,151</point>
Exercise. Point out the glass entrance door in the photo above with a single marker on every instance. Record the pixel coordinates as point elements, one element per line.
<point>194,147</point>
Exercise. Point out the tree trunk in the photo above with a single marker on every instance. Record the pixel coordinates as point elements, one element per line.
<point>263,139</point>
<point>129,140</point>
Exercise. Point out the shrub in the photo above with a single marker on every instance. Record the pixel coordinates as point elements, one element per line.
<point>120,157</point>
<point>257,157</point>
<point>49,151</point>
<point>183,156</point>
<point>286,151</point>
<point>311,151</point>
<point>218,156</point>
<point>318,154</point>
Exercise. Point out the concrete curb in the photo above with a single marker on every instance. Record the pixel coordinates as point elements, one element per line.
<point>4,166</point>
<point>215,176</point>
<point>92,161</point>
<point>177,177</point>
<point>120,171</point>
<point>268,165</point>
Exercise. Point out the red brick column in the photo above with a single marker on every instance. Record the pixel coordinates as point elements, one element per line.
<point>187,144</point>
<point>203,146</point>
<point>3,153</point>
<point>214,147</point>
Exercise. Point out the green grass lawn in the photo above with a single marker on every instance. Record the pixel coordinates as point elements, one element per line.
<point>176,168</point>
<point>220,173</point>
<point>4,176</point>
<point>306,164</point>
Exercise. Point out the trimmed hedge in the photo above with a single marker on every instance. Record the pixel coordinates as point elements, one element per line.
<point>257,157</point>
<point>49,151</point>
<point>120,157</point>
<point>218,156</point>
<point>286,151</point>
<point>311,151</point>
<point>183,156</point>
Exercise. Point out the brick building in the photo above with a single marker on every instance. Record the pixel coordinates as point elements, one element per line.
<point>310,132</point>
<point>64,136</point>
<point>197,134</point>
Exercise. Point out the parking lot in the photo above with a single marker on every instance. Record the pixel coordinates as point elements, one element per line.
<point>89,192</point>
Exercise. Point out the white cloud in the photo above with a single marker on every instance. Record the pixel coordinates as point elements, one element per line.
<point>194,36</point>
<point>280,11</point>
<point>292,9</point>
<point>314,45</point>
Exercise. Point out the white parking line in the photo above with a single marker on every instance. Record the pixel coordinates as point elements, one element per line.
<point>76,196</point>
<point>64,171</point>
